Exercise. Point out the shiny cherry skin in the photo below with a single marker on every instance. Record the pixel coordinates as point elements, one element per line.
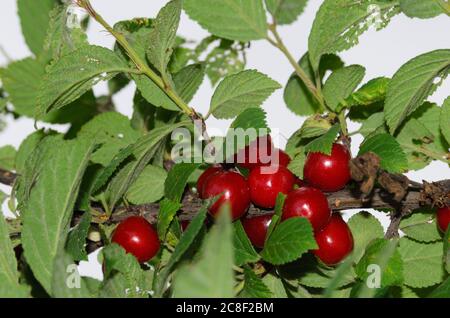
<point>234,190</point>
<point>256,153</point>
<point>137,237</point>
<point>328,173</point>
<point>443,218</point>
<point>310,203</point>
<point>205,176</point>
<point>256,228</point>
<point>266,182</point>
<point>283,158</point>
<point>335,241</point>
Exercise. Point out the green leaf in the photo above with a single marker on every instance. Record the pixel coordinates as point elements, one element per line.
<point>76,240</point>
<point>244,252</point>
<point>422,263</point>
<point>412,84</point>
<point>289,240</point>
<point>373,124</point>
<point>372,92</point>
<point>281,197</point>
<point>26,148</point>
<point>241,91</point>
<point>341,84</point>
<point>350,20</point>
<point>323,143</point>
<point>421,226</point>
<point>76,73</point>
<point>254,287</point>
<point>340,275</point>
<point>286,11</point>
<point>297,164</point>
<point>212,274</point>
<point>7,157</point>
<point>424,9</point>
<point>177,179</point>
<point>392,157</point>
<point>148,187</point>
<point>163,34</point>
<point>188,80</point>
<point>167,211</point>
<point>34,19</point>
<point>445,119</point>
<point>47,212</point>
<point>182,247</point>
<point>241,20</point>
<point>446,250</point>
<point>365,228</point>
<point>442,291</point>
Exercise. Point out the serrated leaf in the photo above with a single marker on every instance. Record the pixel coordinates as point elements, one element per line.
<point>286,11</point>
<point>48,210</point>
<point>365,228</point>
<point>241,20</point>
<point>412,84</point>
<point>34,19</point>
<point>392,157</point>
<point>26,148</point>
<point>167,211</point>
<point>350,20</point>
<point>254,287</point>
<point>76,240</point>
<point>7,157</point>
<point>374,123</point>
<point>182,247</point>
<point>244,252</point>
<point>445,120</point>
<point>241,91</point>
<point>372,92</point>
<point>424,9</point>
<point>341,84</point>
<point>76,73</point>
<point>163,34</point>
<point>188,80</point>
<point>297,164</point>
<point>323,143</point>
<point>212,274</point>
<point>422,263</point>
<point>289,240</point>
<point>421,226</point>
<point>279,203</point>
<point>148,187</point>
<point>177,179</point>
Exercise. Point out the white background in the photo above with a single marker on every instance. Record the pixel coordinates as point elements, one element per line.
<point>381,53</point>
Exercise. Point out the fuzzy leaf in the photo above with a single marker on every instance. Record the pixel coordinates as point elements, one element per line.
<point>286,11</point>
<point>148,187</point>
<point>188,80</point>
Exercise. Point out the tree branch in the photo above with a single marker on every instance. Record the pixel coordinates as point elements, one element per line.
<point>7,177</point>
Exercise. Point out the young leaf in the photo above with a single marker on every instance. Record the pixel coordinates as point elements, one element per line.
<point>422,263</point>
<point>341,84</point>
<point>244,252</point>
<point>167,211</point>
<point>177,179</point>
<point>350,20</point>
<point>148,187</point>
<point>445,120</point>
<point>188,80</point>
<point>241,91</point>
<point>421,226</point>
<point>285,11</point>
<point>323,143</point>
<point>423,9</point>
<point>163,34</point>
<point>392,157</point>
<point>76,240</point>
<point>254,287</point>
<point>34,19</point>
<point>372,92</point>
<point>47,212</point>
<point>289,240</point>
<point>7,157</point>
<point>365,228</point>
<point>241,20</point>
<point>412,84</point>
<point>212,274</point>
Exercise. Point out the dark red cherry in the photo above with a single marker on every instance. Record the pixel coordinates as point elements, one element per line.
<point>137,237</point>
<point>258,152</point>
<point>283,158</point>
<point>256,228</point>
<point>328,173</point>
<point>204,176</point>
<point>443,218</point>
<point>310,203</point>
<point>335,241</point>
<point>234,190</point>
<point>266,182</point>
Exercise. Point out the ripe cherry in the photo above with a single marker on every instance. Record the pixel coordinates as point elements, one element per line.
<point>310,203</point>
<point>335,241</point>
<point>137,237</point>
<point>443,218</point>
<point>204,176</point>
<point>328,173</point>
<point>233,189</point>
<point>283,158</point>
<point>256,153</point>
<point>256,228</point>
<point>266,182</point>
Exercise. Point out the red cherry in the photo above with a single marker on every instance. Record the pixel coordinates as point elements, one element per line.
<point>310,203</point>
<point>184,225</point>
<point>266,182</point>
<point>256,153</point>
<point>137,237</point>
<point>256,228</point>
<point>283,158</point>
<point>335,241</point>
<point>328,173</point>
<point>204,176</point>
<point>300,183</point>
<point>443,218</point>
<point>234,190</point>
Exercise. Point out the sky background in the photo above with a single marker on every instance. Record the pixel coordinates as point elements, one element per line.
<point>381,53</point>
